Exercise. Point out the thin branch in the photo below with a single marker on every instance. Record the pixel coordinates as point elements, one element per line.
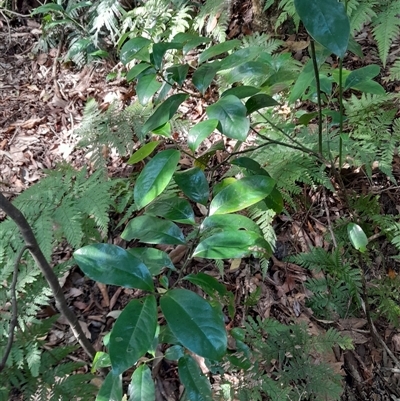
<point>14,310</point>
<point>31,243</point>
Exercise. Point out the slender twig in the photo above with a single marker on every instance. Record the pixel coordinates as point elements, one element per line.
<point>340,113</point>
<point>328,218</point>
<point>4,10</point>
<point>31,243</point>
<point>319,101</point>
<point>14,309</point>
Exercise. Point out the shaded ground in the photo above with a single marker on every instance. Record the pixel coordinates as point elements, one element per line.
<point>41,103</point>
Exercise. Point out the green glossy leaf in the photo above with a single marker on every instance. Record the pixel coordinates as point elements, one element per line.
<point>110,264</point>
<point>223,184</point>
<point>233,245</point>
<point>204,75</point>
<point>259,101</point>
<point>46,8</point>
<point>197,386</point>
<point>241,92</point>
<point>274,201</point>
<point>195,323</point>
<point>357,237</point>
<point>241,56</point>
<point>152,230</point>
<point>229,222</point>
<point>101,360</point>
<point>193,184</point>
<point>355,47</point>
<point>307,117</point>
<point>134,48</point>
<point>231,114</point>
<point>146,87</point>
<point>164,130</point>
<point>155,176</point>
<point>249,164</point>
<point>199,132</point>
<point>174,353</point>
<point>218,49</point>
<point>210,285</point>
<point>249,69</point>
<point>166,336</point>
<point>172,208</point>
<point>159,50</point>
<point>142,386</point>
<point>133,333</point>
<point>111,389</point>
<point>143,152</point>
<point>306,76</point>
<point>163,113</point>
<point>327,22</point>
<point>370,87</point>
<point>360,75</point>
<point>153,258</point>
<point>241,194</point>
<point>178,73</point>
<point>137,70</point>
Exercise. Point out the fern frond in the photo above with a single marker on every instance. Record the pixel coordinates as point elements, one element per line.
<point>386,27</point>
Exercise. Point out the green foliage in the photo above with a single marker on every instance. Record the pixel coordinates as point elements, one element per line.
<point>338,290</point>
<point>40,373</point>
<point>67,205</point>
<point>294,354</point>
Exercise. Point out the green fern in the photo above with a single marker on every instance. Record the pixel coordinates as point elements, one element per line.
<point>114,129</point>
<point>213,18</point>
<point>338,292</point>
<point>293,351</point>
<point>386,27</point>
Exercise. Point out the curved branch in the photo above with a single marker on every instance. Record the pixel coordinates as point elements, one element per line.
<point>31,243</point>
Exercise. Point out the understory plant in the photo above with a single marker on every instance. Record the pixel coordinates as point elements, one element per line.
<point>269,152</point>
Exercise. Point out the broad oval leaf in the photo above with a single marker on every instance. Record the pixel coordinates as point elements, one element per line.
<point>197,386</point>
<point>195,323</point>
<point>241,194</point>
<point>361,75</point>
<point>163,113</point>
<point>146,87</point>
<point>178,73</point>
<point>101,360</point>
<point>241,91</point>
<point>194,184</point>
<point>199,132</point>
<point>155,177</point>
<point>259,101</point>
<point>153,258</point>
<point>152,230</point>
<point>204,75</point>
<point>218,49</point>
<point>143,152</point>
<point>210,285</point>
<point>231,114</point>
<point>174,353</point>
<point>137,70</point>
<point>233,245</point>
<point>110,264</point>
<point>111,389</point>
<point>142,386</point>
<point>159,50</point>
<point>357,237</point>
<point>229,222</point>
<point>172,208</point>
<point>133,333</point>
<point>133,47</point>
<point>327,22</point>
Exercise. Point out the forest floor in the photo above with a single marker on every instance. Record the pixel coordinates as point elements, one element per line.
<point>41,104</point>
